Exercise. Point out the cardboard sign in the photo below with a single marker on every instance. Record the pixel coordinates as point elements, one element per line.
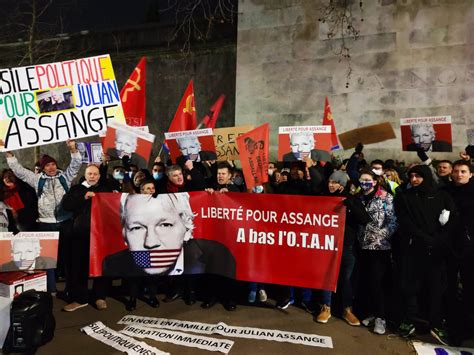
<point>433,134</point>
<point>122,140</point>
<point>298,142</point>
<point>367,135</point>
<point>225,141</point>
<point>197,145</point>
<point>289,240</point>
<point>49,103</point>
<point>28,251</point>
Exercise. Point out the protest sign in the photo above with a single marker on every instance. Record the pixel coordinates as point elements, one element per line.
<point>433,134</point>
<point>229,330</point>
<point>289,240</point>
<point>122,140</point>
<point>90,152</point>
<point>48,103</point>
<point>367,135</point>
<point>179,338</point>
<point>119,341</point>
<point>28,251</point>
<point>299,142</point>
<point>225,141</point>
<point>254,155</point>
<point>196,145</point>
<point>437,349</point>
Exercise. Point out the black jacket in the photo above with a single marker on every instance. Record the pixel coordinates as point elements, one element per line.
<point>463,233</point>
<point>418,210</point>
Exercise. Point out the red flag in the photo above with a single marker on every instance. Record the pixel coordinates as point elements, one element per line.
<point>133,95</point>
<point>185,116</point>
<point>328,121</point>
<point>211,118</point>
<point>253,152</point>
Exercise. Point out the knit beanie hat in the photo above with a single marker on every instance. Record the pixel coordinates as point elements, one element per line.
<point>340,177</point>
<point>46,159</point>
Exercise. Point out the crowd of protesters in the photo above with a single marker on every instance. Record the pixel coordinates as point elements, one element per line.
<point>407,261</point>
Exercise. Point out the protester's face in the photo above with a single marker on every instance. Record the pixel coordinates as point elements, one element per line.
<point>461,174</point>
<point>301,145</point>
<point>134,170</point>
<point>153,224</point>
<point>277,176</point>
<point>50,169</point>
<point>138,178</point>
<point>92,175</point>
<point>389,175</point>
<point>271,166</point>
<point>334,186</point>
<point>367,183</point>
<point>8,182</point>
<point>415,179</point>
<point>377,169</point>
<point>125,144</point>
<point>157,169</point>
<point>190,148</point>
<point>223,176</point>
<point>422,136</point>
<point>148,189</point>
<point>444,169</point>
<point>176,177</point>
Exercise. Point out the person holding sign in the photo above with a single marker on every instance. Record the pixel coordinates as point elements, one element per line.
<point>51,185</point>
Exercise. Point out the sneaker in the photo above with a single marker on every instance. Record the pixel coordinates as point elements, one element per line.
<point>285,304</point>
<point>324,315</point>
<point>101,304</point>
<point>262,296</point>
<point>252,296</point>
<point>309,307</point>
<point>368,322</point>
<point>71,307</point>
<point>350,318</point>
<point>406,329</point>
<point>441,335</point>
<point>380,326</point>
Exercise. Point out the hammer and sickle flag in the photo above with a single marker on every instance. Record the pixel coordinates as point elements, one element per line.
<point>185,116</point>
<point>328,121</point>
<point>133,95</point>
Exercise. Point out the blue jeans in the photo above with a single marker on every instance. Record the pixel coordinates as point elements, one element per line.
<point>253,286</point>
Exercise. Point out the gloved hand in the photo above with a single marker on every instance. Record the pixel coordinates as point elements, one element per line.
<point>422,154</point>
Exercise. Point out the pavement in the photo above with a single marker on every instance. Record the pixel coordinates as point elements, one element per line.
<point>346,339</point>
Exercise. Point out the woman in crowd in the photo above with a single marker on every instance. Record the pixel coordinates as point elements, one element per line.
<point>375,246</point>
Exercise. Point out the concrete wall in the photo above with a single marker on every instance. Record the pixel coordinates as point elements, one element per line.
<point>413,58</point>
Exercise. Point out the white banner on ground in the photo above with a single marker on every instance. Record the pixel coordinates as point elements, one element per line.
<point>179,338</point>
<point>230,331</point>
<point>435,349</point>
<point>119,341</point>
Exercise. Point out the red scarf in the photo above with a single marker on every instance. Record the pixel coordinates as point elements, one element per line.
<point>12,199</point>
<point>173,188</point>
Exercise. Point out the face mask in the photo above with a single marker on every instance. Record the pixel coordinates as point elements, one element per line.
<point>258,189</point>
<point>366,185</point>
<point>270,172</point>
<point>238,180</point>
<point>118,175</point>
<point>157,175</point>
<point>378,172</point>
<point>130,174</point>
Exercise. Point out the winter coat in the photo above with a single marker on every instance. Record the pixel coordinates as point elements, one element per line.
<point>377,234</point>
<point>53,190</point>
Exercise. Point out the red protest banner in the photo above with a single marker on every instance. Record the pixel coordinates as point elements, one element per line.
<point>328,121</point>
<point>185,116</point>
<point>292,240</point>
<point>253,152</point>
<point>133,95</point>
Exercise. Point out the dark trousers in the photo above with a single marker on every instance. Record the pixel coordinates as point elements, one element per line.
<point>420,271</point>
<point>219,287</point>
<point>345,280</point>
<point>136,284</point>
<point>63,258</point>
<point>374,272</point>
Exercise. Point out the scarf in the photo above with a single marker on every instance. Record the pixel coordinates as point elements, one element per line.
<point>173,188</point>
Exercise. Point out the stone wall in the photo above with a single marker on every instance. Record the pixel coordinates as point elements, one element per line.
<point>413,58</point>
